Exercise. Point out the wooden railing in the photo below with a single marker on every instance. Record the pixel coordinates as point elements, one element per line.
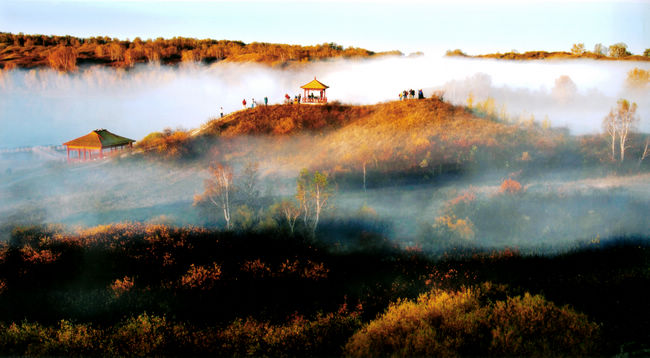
<point>314,100</point>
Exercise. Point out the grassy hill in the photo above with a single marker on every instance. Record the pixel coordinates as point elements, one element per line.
<point>423,135</point>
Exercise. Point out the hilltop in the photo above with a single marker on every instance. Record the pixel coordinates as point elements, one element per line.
<point>426,134</point>
<point>65,53</point>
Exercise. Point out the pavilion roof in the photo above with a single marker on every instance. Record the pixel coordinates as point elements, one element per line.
<point>315,85</point>
<point>99,138</point>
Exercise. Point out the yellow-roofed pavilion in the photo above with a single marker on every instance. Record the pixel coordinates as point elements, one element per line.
<point>314,92</point>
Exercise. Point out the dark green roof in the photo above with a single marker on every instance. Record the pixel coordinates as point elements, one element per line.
<point>99,138</point>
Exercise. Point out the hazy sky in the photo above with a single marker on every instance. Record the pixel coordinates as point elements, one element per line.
<point>408,26</point>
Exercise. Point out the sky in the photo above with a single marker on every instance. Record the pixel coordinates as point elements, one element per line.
<point>408,26</point>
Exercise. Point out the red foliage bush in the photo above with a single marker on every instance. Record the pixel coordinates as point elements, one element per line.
<point>510,186</point>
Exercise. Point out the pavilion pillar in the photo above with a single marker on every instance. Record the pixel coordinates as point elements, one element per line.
<point>67,149</point>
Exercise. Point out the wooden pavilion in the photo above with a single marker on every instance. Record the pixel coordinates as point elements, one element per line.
<point>314,92</point>
<point>94,144</point>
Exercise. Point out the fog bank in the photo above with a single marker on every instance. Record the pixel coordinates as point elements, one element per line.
<point>44,107</point>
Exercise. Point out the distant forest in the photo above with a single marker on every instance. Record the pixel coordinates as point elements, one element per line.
<point>617,51</point>
<point>65,53</point>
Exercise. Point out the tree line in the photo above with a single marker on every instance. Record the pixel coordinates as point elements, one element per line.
<point>618,50</point>
<point>65,53</point>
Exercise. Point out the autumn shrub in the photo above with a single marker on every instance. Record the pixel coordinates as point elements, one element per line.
<point>201,277</point>
<point>122,286</point>
<point>147,335</point>
<point>24,339</point>
<point>76,339</point>
<point>465,323</point>
<point>510,186</point>
<point>324,335</point>
<point>530,326</point>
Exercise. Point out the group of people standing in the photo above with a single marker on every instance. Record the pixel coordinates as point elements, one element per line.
<point>410,94</point>
<point>254,103</point>
<point>296,99</point>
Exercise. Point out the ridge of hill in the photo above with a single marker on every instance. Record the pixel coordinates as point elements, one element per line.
<point>547,55</point>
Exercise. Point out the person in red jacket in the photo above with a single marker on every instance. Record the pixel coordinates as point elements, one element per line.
<point>244,103</point>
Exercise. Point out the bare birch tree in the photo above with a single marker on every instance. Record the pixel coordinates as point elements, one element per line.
<point>218,190</point>
<point>626,120</point>
<point>302,195</point>
<point>313,192</point>
<point>610,127</point>
<point>618,124</point>
<point>321,193</point>
<point>290,212</point>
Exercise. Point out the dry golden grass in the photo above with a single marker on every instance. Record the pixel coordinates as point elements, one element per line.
<point>387,136</point>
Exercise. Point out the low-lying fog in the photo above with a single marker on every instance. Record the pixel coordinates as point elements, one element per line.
<point>44,107</point>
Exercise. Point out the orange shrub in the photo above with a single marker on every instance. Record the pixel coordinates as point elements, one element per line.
<point>34,256</point>
<point>256,267</point>
<point>120,287</point>
<point>510,186</point>
<point>201,277</point>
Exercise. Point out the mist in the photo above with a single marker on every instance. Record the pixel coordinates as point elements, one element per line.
<point>45,107</point>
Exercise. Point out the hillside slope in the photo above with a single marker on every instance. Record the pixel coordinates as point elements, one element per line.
<point>388,136</point>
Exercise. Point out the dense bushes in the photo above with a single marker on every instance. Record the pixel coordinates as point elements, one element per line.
<point>148,335</point>
<point>269,294</point>
<point>468,323</point>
